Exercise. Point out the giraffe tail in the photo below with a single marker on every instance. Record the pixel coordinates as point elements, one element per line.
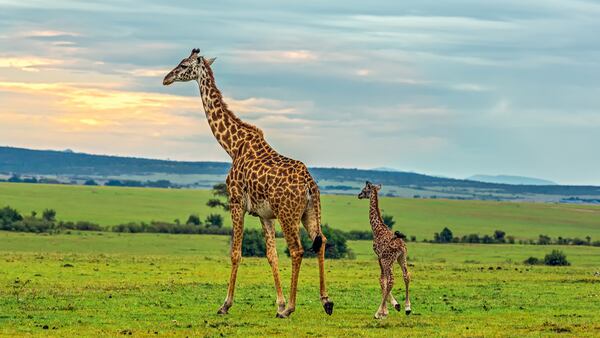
<point>317,243</point>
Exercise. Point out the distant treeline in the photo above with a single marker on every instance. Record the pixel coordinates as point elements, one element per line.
<point>499,237</point>
<point>45,162</point>
<point>111,183</point>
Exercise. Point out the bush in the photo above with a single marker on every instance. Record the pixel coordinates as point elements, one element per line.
<point>49,215</point>
<point>335,248</point>
<point>90,182</point>
<point>32,224</point>
<point>499,236</point>
<point>8,216</point>
<point>544,240</point>
<point>253,244</point>
<point>214,220</point>
<point>532,261</point>
<point>193,220</point>
<point>359,235</point>
<point>556,258</point>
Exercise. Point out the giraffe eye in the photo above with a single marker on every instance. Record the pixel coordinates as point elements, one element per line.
<point>184,66</point>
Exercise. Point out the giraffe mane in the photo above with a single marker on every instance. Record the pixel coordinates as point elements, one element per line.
<point>224,104</point>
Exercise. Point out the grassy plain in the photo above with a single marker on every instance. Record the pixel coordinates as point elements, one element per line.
<point>419,217</point>
<point>93,284</point>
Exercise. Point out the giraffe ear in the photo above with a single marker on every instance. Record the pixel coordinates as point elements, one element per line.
<point>210,61</point>
<point>367,183</point>
<point>378,187</point>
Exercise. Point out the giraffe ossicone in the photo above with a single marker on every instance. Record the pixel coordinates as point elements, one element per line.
<point>261,182</point>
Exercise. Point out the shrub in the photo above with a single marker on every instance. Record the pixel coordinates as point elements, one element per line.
<point>413,238</point>
<point>544,240</point>
<point>335,248</point>
<point>499,236</point>
<point>8,216</point>
<point>253,243</point>
<point>49,215</point>
<point>359,235</point>
<point>194,220</point>
<point>214,220</point>
<point>90,182</point>
<point>556,258</point>
<point>532,261</point>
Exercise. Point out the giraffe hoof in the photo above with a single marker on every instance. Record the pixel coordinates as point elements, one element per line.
<point>407,311</point>
<point>380,315</point>
<point>222,311</point>
<point>280,315</point>
<point>328,306</point>
<point>397,307</point>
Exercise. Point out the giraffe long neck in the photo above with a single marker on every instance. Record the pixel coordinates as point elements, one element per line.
<point>374,213</point>
<point>228,129</point>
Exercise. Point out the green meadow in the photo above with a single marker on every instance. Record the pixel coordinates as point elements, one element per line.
<point>418,217</point>
<point>91,284</point>
<point>108,284</point>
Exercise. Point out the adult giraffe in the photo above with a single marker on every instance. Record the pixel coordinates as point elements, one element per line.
<point>262,183</point>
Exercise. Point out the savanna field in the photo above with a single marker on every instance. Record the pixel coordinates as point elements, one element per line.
<point>104,283</point>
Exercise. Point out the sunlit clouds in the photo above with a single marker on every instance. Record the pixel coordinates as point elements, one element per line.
<point>448,89</point>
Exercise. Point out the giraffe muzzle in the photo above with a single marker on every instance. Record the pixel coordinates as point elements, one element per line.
<point>168,79</point>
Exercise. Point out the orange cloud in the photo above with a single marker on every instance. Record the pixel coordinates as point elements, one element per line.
<point>27,63</point>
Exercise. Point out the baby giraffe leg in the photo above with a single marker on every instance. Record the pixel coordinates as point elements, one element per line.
<point>394,302</point>
<point>406,276</point>
<point>386,280</point>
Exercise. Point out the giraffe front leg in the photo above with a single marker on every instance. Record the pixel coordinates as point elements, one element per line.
<point>237,216</point>
<point>269,232</point>
<point>406,276</point>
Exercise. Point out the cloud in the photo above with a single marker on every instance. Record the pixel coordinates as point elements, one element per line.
<point>28,63</point>
<point>276,56</point>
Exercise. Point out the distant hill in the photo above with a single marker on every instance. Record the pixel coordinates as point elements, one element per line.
<point>507,179</point>
<point>333,180</point>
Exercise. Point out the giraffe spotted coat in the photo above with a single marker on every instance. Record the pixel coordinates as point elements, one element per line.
<point>389,248</point>
<point>261,182</point>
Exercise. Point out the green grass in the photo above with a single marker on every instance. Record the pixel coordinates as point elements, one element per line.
<point>93,284</point>
<point>114,205</point>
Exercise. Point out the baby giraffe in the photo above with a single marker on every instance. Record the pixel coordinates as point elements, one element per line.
<point>389,248</point>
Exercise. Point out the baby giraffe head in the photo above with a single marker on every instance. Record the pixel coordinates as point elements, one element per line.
<point>369,189</point>
<point>191,68</point>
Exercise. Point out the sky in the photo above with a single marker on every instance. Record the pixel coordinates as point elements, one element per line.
<point>442,88</point>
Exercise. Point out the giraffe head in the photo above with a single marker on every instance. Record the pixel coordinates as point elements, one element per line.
<point>190,68</point>
<point>368,189</point>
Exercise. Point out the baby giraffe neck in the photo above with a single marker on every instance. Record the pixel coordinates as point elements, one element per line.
<point>374,213</point>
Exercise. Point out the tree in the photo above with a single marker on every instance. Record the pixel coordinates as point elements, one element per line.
<point>214,220</point>
<point>445,236</point>
<point>499,236</point>
<point>388,220</point>
<point>90,182</point>
<point>49,215</point>
<point>219,191</point>
<point>544,240</point>
<point>194,220</point>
